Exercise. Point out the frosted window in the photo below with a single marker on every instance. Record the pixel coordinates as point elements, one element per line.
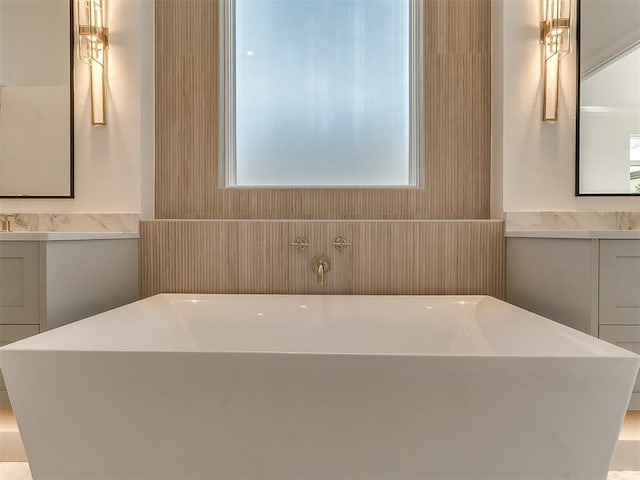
<point>322,92</point>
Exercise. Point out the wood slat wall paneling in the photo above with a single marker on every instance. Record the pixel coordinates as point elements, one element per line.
<point>457,126</point>
<point>394,257</point>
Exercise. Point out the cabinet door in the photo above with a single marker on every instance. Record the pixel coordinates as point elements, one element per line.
<point>619,282</point>
<point>627,337</point>
<point>19,283</point>
<point>8,334</point>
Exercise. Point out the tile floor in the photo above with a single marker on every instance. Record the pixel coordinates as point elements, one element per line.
<point>20,471</point>
<point>14,467</point>
<point>624,476</point>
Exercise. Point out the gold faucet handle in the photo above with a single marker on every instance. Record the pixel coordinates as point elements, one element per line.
<point>301,243</point>
<point>340,243</point>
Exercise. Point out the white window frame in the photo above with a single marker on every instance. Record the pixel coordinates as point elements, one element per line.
<point>227,96</point>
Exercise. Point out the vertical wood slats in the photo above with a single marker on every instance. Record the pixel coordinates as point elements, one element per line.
<point>457,126</point>
<point>418,257</point>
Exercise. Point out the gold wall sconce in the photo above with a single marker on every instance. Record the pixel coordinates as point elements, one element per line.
<point>555,38</point>
<point>93,42</point>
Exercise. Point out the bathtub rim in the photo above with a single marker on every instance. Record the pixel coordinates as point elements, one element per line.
<point>27,345</point>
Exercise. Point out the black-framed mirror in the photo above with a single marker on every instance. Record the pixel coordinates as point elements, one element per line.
<point>608,111</point>
<point>36,99</point>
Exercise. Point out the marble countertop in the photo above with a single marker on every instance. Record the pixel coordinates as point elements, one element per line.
<point>563,224</point>
<point>58,236</point>
<point>45,227</point>
<point>604,234</point>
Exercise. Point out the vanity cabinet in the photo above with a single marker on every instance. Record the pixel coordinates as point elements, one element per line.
<point>48,283</point>
<point>19,295</point>
<point>619,282</point>
<point>591,284</point>
<point>619,298</point>
<point>19,283</point>
<point>625,336</point>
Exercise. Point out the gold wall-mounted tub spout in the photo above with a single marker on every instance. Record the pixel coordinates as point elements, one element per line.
<point>321,265</point>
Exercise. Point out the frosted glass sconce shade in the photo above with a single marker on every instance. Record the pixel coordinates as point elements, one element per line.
<point>555,38</point>
<point>93,42</point>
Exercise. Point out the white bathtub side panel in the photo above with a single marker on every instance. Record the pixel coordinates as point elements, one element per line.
<point>230,416</point>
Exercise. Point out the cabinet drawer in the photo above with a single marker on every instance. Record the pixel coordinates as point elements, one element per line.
<point>619,282</point>
<point>19,283</point>
<point>8,334</point>
<point>624,336</point>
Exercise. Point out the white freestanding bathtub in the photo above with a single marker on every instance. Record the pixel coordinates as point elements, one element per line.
<point>318,387</point>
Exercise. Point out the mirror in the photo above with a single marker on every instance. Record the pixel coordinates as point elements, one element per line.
<point>608,150</point>
<point>36,98</point>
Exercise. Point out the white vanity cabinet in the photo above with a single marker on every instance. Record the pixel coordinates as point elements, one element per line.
<point>619,282</point>
<point>619,298</point>
<point>49,280</point>
<point>586,282</point>
<point>19,295</point>
<point>19,283</point>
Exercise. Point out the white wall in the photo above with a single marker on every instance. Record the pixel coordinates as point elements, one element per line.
<point>538,158</point>
<point>109,160</point>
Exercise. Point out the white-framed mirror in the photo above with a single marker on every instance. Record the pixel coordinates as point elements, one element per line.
<point>36,98</point>
<point>608,140</point>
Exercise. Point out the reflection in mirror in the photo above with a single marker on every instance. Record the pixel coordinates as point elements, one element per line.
<point>36,98</point>
<point>609,114</point>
